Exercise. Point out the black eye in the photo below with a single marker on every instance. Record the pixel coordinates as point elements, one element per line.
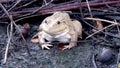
<point>58,22</point>
<point>45,21</point>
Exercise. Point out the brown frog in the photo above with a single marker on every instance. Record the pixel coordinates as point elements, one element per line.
<point>59,27</point>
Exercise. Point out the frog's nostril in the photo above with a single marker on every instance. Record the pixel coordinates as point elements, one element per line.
<point>69,39</point>
<point>58,22</point>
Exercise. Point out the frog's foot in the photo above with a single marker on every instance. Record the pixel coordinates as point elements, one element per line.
<point>46,46</point>
<point>67,47</point>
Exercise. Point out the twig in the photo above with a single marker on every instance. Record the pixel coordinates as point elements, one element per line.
<point>100,30</point>
<point>18,1</point>
<point>5,1</point>
<point>3,22</point>
<point>73,6</point>
<point>12,7</point>
<point>45,2</point>
<point>111,22</point>
<point>37,9</point>
<point>81,9</point>
<point>57,7</point>
<point>93,61</point>
<point>27,4</point>
<point>11,30</point>
<point>89,8</point>
<point>117,28</point>
<point>10,36</point>
<point>45,8</point>
<point>9,39</point>
<point>42,7</point>
<point>11,19</point>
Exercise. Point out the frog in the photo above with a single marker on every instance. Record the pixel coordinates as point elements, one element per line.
<point>59,27</point>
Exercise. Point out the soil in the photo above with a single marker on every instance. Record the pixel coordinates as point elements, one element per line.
<point>77,57</point>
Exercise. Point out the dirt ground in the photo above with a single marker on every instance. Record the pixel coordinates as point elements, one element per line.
<point>80,56</point>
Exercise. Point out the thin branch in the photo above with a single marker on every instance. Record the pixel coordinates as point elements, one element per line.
<point>8,42</point>
<point>42,7</point>
<point>117,28</point>
<point>10,36</point>
<point>45,2</point>
<point>93,61</point>
<point>37,9</point>
<point>12,7</point>
<point>11,30</point>
<point>89,8</point>
<point>82,15</point>
<point>100,30</point>
<point>73,6</point>
<point>27,4</point>
<point>111,22</point>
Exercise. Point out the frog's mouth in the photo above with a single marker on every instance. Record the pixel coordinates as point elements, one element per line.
<point>57,30</point>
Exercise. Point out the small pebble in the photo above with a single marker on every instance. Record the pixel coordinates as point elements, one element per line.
<point>106,55</point>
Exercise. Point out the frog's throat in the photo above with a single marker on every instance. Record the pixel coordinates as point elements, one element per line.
<point>66,29</point>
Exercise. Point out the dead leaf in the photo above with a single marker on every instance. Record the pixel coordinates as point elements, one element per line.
<point>98,24</point>
<point>34,40</point>
<point>26,26</point>
<point>61,46</point>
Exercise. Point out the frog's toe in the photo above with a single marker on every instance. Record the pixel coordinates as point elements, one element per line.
<point>67,47</point>
<point>46,46</point>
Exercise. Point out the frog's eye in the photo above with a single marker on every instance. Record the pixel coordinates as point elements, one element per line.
<point>58,22</point>
<point>45,21</point>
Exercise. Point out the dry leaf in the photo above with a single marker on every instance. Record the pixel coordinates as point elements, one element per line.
<point>61,46</point>
<point>98,24</point>
<point>34,40</point>
<point>26,26</point>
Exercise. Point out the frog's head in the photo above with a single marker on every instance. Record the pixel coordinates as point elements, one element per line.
<point>56,23</point>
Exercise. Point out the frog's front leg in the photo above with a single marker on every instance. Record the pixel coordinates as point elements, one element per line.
<point>42,41</point>
<point>73,41</point>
